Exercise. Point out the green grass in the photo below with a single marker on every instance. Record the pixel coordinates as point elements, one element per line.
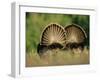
<point>58,57</point>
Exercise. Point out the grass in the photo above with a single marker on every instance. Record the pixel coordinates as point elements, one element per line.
<point>58,57</point>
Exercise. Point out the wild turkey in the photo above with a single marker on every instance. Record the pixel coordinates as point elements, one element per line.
<point>75,36</point>
<point>53,37</point>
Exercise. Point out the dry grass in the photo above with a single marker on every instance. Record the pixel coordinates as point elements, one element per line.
<point>58,57</point>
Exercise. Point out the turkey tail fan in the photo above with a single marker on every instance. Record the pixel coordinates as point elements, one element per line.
<point>53,33</point>
<point>53,36</point>
<point>75,36</point>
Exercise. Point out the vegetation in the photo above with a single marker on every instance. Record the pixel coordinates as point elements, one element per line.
<point>36,22</point>
<point>58,57</point>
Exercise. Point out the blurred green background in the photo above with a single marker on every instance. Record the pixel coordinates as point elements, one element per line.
<point>36,22</point>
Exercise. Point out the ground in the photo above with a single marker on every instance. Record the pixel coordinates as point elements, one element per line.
<point>58,57</point>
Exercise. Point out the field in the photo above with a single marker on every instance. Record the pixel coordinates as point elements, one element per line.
<point>58,57</point>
